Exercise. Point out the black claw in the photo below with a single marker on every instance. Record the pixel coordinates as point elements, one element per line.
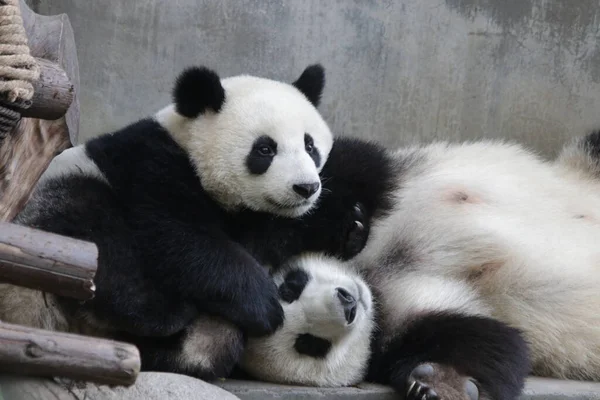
<point>358,211</point>
<point>358,226</point>
<point>420,391</point>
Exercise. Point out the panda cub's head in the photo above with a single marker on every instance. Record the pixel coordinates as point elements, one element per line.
<point>325,338</point>
<point>256,143</point>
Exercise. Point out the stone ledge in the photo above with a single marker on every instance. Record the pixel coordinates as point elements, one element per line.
<point>536,389</point>
<point>163,386</point>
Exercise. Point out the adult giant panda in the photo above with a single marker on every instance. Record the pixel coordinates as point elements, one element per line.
<point>170,200</point>
<point>486,269</point>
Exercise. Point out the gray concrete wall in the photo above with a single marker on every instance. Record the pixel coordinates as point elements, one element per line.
<point>398,70</point>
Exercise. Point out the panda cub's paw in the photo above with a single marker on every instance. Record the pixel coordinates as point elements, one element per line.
<point>255,308</point>
<point>357,234</point>
<point>430,381</point>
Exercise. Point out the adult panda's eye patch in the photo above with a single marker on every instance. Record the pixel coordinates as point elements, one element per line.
<point>312,346</point>
<point>293,285</point>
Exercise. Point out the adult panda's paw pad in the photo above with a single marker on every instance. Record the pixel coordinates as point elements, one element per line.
<point>431,381</point>
<point>358,232</point>
<point>418,390</point>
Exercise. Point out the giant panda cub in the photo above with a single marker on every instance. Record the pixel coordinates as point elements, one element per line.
<point>177,205</point>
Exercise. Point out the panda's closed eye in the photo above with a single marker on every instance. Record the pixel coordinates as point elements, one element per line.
<point>293,285</point>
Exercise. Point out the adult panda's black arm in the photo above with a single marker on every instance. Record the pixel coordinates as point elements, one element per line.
<point>358,180</point>
<point>492,353</point>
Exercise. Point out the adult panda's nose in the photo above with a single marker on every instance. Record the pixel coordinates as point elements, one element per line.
<point>348,304</point>
<point>306,189</point>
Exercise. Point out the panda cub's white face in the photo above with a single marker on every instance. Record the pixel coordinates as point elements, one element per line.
<point>325,338</point>
<point>262,147</point>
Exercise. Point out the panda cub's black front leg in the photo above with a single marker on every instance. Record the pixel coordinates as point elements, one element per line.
<point>356,232</point>
<point>219,277</point>
<point>338,228</point>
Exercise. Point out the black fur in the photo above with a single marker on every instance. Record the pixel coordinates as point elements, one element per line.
<point>293,285</point>
<point>261,155</point>
<point>591,145</point>
<point>494,354</point>
<point>196,90</point>
<point>312,151</point>
<point>311,83</point>
<point>312,346</point>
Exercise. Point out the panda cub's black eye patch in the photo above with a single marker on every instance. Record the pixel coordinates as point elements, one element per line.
<point>293,285</point>
<point>313,152</point>
<point>261,155</point>
<point>312,346</point>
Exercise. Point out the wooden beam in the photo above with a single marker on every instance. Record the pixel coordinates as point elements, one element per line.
<point>24,156</point>
<point>38,352</point>
<point>45,261</point>
<point>53,94</point>
<point>51,37</point>
<point>27,151</point>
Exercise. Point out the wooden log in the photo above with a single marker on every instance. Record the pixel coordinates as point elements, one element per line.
<point>51,37</point>
<point>53,94</point>
<point>38,352</point>
<point>45,261</point>
<point>27,151</point>
<point>24,156</point>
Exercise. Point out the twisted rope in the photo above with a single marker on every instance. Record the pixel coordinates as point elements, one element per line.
<point>18,68</point>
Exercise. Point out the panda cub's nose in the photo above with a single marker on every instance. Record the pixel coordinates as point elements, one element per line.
<point>306,189</point>
<point>348,304</point>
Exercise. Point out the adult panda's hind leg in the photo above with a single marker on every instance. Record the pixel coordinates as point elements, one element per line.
<point>459,347</point>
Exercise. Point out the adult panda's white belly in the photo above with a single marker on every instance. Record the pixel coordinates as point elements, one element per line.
<point>492,230</point>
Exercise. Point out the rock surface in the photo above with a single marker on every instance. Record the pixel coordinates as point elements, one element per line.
<point>536,389</point>
<point>149,386</point>
<point>163,386</point>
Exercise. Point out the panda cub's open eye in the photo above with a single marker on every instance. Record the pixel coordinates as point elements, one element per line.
<point>293,285</point>
<point>265,146</point>
<point>266,151</point>
<point>309,145</point>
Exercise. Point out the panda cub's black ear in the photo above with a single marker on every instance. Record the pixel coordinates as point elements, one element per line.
<point>311,82</point>
<point>196,90</point>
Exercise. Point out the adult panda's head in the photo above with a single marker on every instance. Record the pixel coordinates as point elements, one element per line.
<point>325,338</point>
<point>256,143</point>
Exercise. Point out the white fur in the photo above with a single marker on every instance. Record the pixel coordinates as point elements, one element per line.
<point>219,143</point>
<point>489,228</point>
<point>317,312</point>
<point>207,338</point>
<point>72,161</point>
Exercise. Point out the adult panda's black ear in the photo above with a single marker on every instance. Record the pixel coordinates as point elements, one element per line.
<point>311,82</point>
<point>196,90</point>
